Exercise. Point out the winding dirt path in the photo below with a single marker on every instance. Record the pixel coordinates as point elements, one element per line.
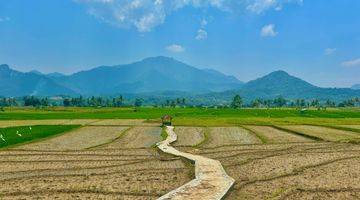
<point>211,180</point>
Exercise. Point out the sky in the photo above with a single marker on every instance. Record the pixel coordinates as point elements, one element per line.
<point>318,41</point>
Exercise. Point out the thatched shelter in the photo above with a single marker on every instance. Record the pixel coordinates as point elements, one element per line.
<point>166,120</point>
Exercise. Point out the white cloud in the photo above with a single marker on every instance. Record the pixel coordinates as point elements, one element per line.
<point>329,51</point>
<point>260,6</point>
<point>175,48</point>
<point>145,15</point>
<point>268,31</point>
<point>351,63</point>
<point>201,34</point>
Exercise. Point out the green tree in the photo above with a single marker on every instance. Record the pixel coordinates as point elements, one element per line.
<point>236,102</point>
<point>138,102</point>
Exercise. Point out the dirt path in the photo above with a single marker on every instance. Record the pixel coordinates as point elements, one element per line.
<point>211,180</point>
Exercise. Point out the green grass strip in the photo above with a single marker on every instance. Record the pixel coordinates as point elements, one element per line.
<point>11,136</point>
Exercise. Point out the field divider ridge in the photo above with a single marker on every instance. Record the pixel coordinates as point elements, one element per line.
<point>211,181</point>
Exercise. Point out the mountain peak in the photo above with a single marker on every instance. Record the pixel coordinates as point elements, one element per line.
<point>36,72</point>
<point>279,73</point>
<point>157,58</point>
<point>4,67</point>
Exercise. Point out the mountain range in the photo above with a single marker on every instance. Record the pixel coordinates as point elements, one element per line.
<point>164,77</point>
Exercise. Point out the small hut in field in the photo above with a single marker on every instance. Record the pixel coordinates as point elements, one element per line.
<point>166,120</point>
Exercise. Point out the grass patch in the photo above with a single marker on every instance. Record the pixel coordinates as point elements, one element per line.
<point>298,133</point>
<point>206,137</point>
<point>262,138</point>
<point>179,114</point>
<point>22,134</point>
<point>164,134</point>
<point>355,130</point>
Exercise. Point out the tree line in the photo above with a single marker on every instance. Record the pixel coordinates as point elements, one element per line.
<point>237,102</point>
<point>120,101</point>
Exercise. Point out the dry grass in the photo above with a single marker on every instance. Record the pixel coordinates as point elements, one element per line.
<point>229,135</point>
<point>124,122</point>
<point>82,138</point>
<point>273,135</point>
<point>350,126</point>
<point>11,123</point>
<point>324,133</point>
<point>137,137</point>
<point>95,122</point>
<point>189,136</point>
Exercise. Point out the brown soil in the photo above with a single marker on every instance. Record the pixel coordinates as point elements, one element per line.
<point>78,139</point>
<point>189,136</point>
<point>92,174</point>
<point>229,135</point>
<point>327,134</point>
<point>137,137</point>
<point>273,135</point>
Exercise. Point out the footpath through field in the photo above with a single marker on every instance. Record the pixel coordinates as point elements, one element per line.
<point>211,180</point>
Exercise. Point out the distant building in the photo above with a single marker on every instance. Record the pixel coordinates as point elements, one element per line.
<point>166,120</point>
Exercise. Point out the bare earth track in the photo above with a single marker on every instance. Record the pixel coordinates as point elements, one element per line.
<point>211,180</point>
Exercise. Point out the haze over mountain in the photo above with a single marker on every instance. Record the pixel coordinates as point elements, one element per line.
<point>163,77</point>
<point>153,74</point>
<point>280,83</point>
<point>15,83</point>
<point>149,75</point>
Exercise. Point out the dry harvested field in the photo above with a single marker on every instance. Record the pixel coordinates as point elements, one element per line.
<point>136,137</point>
<point>300,169</point>
<point>124,122</point>
<point>273,135</point>
<point>125,166</point>
<point>82,138</point>
<point>189,136</point>
<point>324,133</point>
<point>62,168</point>
<point>229,136</point>
<point>95,122</point>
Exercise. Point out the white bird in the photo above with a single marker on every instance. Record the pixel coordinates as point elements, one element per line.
<point>17,133</point>
<point>30,128</point>
<point>2,137</point>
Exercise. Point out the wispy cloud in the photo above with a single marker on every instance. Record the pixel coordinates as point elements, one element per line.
<point>175,48</point>
<point>351,63</point>
<point>329,51</point>
<point>268,31</point>
<point>145,15</point>
<point>260,6</point>
<point>201,34</point>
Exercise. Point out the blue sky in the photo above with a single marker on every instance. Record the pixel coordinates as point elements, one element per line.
<point>318,41</point>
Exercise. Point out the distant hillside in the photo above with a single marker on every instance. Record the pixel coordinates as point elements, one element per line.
<point>55,75</point>
<point>164,78</point>
<point>149,75</point>
<point>14,83</point>
<point>356,87</point>
<point>280,83</point>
